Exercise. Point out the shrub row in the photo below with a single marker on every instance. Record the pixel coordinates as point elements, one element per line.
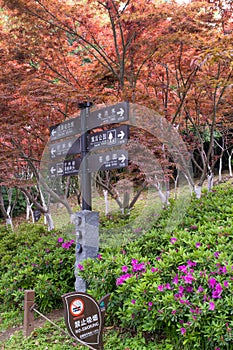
<point>175,288</point>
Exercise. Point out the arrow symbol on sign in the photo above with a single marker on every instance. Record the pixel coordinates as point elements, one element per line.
<point>53,132</point>
<point>121,135</point>
<point>121,112</point>
<point>122,158</point>
<point>53,151</point>
<point>52,170</point>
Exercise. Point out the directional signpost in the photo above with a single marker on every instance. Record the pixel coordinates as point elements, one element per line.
<point>90,146</point>
<point>87,142</point>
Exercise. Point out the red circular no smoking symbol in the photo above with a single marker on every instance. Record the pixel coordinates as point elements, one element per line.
<point>77,307</point>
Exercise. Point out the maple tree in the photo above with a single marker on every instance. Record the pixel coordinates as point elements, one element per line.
<point>174,59</point>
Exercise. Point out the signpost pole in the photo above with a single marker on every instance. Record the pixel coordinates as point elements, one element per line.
<point>85,176</point>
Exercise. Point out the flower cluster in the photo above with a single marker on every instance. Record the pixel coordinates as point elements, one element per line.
<point>66,244</point>
<point>187,283</point>
<point>136,267</point>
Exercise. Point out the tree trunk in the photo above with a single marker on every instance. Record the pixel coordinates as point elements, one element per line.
<point>210,181</point>
<point>220,170</point>
<point>6,212</point>
<point>106,202</point>
<point>197,191</point>
<point>229,163</point>
<point>49,221</point>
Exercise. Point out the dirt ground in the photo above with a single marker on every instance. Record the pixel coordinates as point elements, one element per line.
<point>38,322</point>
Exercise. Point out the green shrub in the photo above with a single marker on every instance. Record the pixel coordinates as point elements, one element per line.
<point>32,258</point>
<point>176,286</point>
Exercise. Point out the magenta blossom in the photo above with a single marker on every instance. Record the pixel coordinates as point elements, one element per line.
<point>175,279</point>
<point>200,289</point>
<point>183,330</point>
<point>188,278</point>
<point>122,279</point>
<point>211,306</point>
<point>183,268</point>
<point>173,240</point>
<point>226,284</point>
<point>212,282</point>
<point>80,267</point>
<point>124,268</point>
<point>154,269</point>
<point>191,263</point>
<point>60,240</point>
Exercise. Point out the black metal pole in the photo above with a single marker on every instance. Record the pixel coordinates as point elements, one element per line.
<point>85,175</point>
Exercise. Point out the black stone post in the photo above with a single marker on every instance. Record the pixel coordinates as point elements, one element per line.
<point>85,176</point>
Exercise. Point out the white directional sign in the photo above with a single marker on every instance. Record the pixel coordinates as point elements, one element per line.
<point>108,138</point>
<point>109,160</point>
<point>65,148</point>
<point>114,114</point>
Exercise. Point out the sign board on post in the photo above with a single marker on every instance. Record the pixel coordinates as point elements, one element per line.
<point>68,128</point>
<point>117,113</point>
<point>107,138</point>
<point>65,148</point>
<point>84,318</point>
<point>109,160</point>
<point>65,168</point>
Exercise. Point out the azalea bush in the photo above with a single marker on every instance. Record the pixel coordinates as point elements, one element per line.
<point>174,287</point>
<point>32,258</point>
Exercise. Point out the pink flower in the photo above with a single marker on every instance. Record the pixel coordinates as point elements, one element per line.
<point>191,263</point>
<point>200,289</point>
<point>183,268</point>
<point>133,301</point>
<point>188,278</point>
<point>175,279</point>
<point>160,288</point>
<point>122,279</point>
<point>212,282</point>
<point>60,240</point>
<point>80,267</point>
<point>183,330</point>
<point>173,240</point>
<point>99,257</point>
<point>154,269</point>
<point>226,284</point>
<point>124,268</point>
<point>198,244</point>
<point>211,306</point>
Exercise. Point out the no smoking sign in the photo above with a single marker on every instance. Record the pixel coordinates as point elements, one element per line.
<point>77,307</point>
